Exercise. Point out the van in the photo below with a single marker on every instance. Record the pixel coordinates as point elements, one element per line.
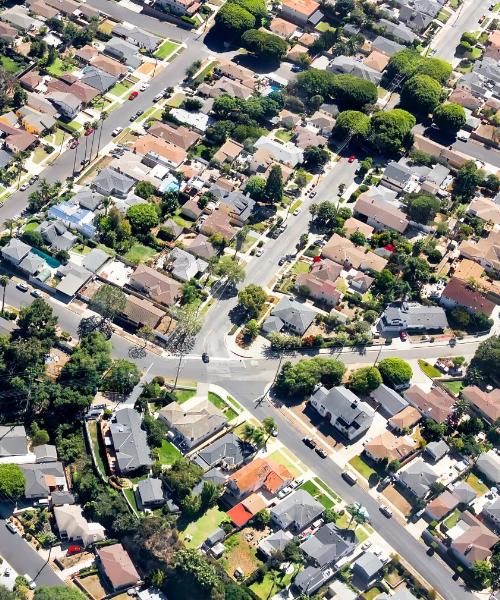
<point>350,477</point>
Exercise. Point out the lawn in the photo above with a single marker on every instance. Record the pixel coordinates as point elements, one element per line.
<point>182,221</point>
<point>220,404</point>
<point>59,67</point>
<point>428,369</point>
<point>81,249</point>
<point>239,554</point>
<point>269,586</point>
<point>313,489</point>
<point>97,447</point>
<point>176,100</point>
<point>320,483</point>
<point>452,519</point>
<point>300,267</point>
<point>281,458</point>
<point>295,205</point>
<point>71,126</point>
<point>129,492</point>
<point>166,49</point>
<point>362,467</point>
<point>496,8</point>
<point>168,453</point>
<point>183,395</point>
<point>443,15</point>
<point>31,226</point>
<point>139,253</point>
<point>324,26</point>
<point>476,484</point>
<point>200,529</point>
<point>202,74</point>
<point>10,65</point>
<point>285,135</point>
<point>56,138</point>
<point>119,88</point>
<point>39,155</point>
<point>455,387</point>
<point>152,113</point>
<point>372,593</point>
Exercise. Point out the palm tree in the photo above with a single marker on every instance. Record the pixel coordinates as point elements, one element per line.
<point>19,159</point>
<point>461,406</point>
<point>9,223</point>
<point>259,437</point>
<point>102,118</point>
<point>75,136</point>
<point>4,280</point>
<point>248,432</point>
<point>106,203</point>
<point>240,239</point>
<point>86,126</point>
<point>358,514</point>
<point>94,125</point>
<point>269,425</point>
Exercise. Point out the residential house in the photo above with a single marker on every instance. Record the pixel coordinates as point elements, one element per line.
<point>397,177</point>
<point>343,251</point>
<point>412,316</point>
<point>311,579</point>
<point>129,441</point>
<point>344,410</point>
<point>72,278</point>
<point>360,282</point>
<point>228,152</point>
<point>493,45</point>
<point>405,419</point>
<point>441,506</point>
<point>486,251</point>
<point>488,464</point>
<point>297,511</point>
<point>418,478</point>
<point>200,246</point>
<point>31,264</point>
<point>66,103</point>
<point>180,7</point>
<point>376,61</point>
<point>283,28</point>
<point>45,453</point>
<point>235,71</point>
<point>388,400</point>
<point>352,225</point>
<point>14,139</point>
<point>435,404</point>
<point>70,214</point>
<point>13,441</point>
<point>140,312</point>
<point>389,447</point>
<point>352,66</point>
<point>95,259</point>
<point>109,182</point>
<point>286,153</point>
<point>399,31</point>
<point>289,315</point>
<point>492,513</point>
<point>436,450</point>
<point>41,479</point>
<point>435,179</point>
<point>301,12</point>
<point>184,266</point>
<point>149,492</point>
<point>73,526</point>
<point>471,540</point>
<point>228,86</point>
<point>109,65</point>
<point>418,14</point>
<point>487,404</point>
<point>219,222</point>
<point>193,421</point>
<point>7,33</point>
<point>458,293</point>
<point>307,136</point>
<point>86,54</point>
<point>328,545</point>
<point>18,17</point>
<point>230,451</point>
<point>275,542</point>
<point>179,136</point>
<point>375,207</point>
<point>319,283</point>
<point>57,235</point>
<point>262,474</point>
<point>238,206</point>
<point>463,492</point>
<point>485,209</point>
<point>367,568</point>
<point>158,151</point>
<point>386,46</point>
<point>123,51</point>
<point>245,510</point>
<point>466,98</point>
<point>14,251</point>
<point>117,567</point>
<point>137,37</point>
<point>322,121</point>
<point>158,287</point>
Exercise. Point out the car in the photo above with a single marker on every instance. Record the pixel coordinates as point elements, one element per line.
<point>74,144</point>
<point>321,452</point>
<point>282,261</point>
<point>205,358</point>
<point>35,178</point>
<point>22,287</point>
<point>11,527</point>
<point>296,69</point>
<point>385,510</point>
<point>116,131</point>
<point>463,136</point>
<point>403,336</point>
<point>133,95</point>
<point>349,477</point>
<point>320,243</point>
<point>132,118</point>
<point>139,113</point>
<point>285,491</point>
<point>274,432</point>
<point>158,97</point>
<point>74,550</point>
<point>24,187</point>
<point>309,442</point>
<point>366,545</point>
<point>297,212</point>
<point>259,252</point>
<point>351,158</point>
<point>89,131</point>
<point>453,342</point>
<point>312,194</point>
<point>144,87</point>
<point>6,573</point>
<point>29,580</point>
<point>36,294</point>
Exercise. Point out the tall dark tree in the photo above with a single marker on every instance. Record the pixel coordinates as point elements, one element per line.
<point>273,192</point>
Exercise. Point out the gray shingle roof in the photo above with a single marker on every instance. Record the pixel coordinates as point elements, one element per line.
<point>367,566</point>
<point>275,542</point>
<point>329,544</point>
<point>88,198</point>
<point>150,490</point>
<point>110,182</point>
<point>296,315</point>
<point>386,46</point>
<point>298,510</point>
<point>390,401</point>
<point>98,79</point>
<point>464,492</point>
<point>228,448</point>
<point>15,250</point>
<point>437,449</point>
<point>418,478</point>
<point>57,235</point>
<point>13,440</point>
<point>94,260</point>
<point>46,452</point>
<point>34,474</point>
<point>129,440</point>
<point>412,315</point>
<point>32,263</point>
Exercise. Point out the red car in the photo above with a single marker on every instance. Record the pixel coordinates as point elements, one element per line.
<point>403,336</point>
<point>74,144</point>
<point>89,131</point>
<point>74,550</point>
<point>351,158</point>
<point>133,95</point>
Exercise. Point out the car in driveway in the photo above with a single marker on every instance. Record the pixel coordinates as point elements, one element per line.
<point>158,97</point>
<point>351,158</point>
<point>285,491</point>
<point>31,583</point>
<point>144,87</point>
<point>385,510</point>
<point>36,294</point>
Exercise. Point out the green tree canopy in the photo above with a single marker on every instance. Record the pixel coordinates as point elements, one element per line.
<point>252,298</point>
<point>255,187</point>
<point>273,190</point>
<point>11,482</point>
<point>409,62</point>
<point>450,118</point>
<point>58,593</point>
<point>37,321</point>
<point>300,378</point>
<point>466,181</point>
<point>485,365</point>
<point>352,121</point>
<point>315,82</point>
<point>365,380</point>
<point>143,217</point>
<point>390,131</point>
<point>234,19</point>
<point>108,301</point>
<point>353,92</point>
<point>422,207</point>
<point>395,371</point>
<point>145,189</point>
<point>122,377</point>
<point>315,157</point>
<point>257,8</point>
<point>264,45</point>
<point>421,94</point>
<point>182,477</point>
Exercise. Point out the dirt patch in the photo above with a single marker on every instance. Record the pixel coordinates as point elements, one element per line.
<point>398,500</point>
<point>67,562</point>
<point>55,362</point>
<point>241,551</point>
<point>93,586</point>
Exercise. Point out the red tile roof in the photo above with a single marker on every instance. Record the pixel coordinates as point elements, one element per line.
<point>463,295</point>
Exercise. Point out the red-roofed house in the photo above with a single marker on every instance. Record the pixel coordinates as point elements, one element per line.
<point>436,404</point>
<point>246,509</point>
<point>487,404</point>
<point>261,474</point>
<point>458,293</point>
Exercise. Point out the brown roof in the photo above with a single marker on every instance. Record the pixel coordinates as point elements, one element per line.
<point>87,53</point>
<point>159,287</point>
<point>465,98</point>
<point>142,312</point>
<point>407,417</point>
<point>261,473</point>
<point>303,7</point>
<point>442,505</point>
<point>372,205</point>
<point>463,295</point>
<point>376,60</point>
<point>229,151</point>
<point>342,250</point>
<point>116,563</point>
<point>487,250</point>
<point>40,7</point>
<point>7,31</point>
<point>219,222</point>
<point>387,445</point>
<point>476,541</point>
<point>485,209</point>
<point>352,225</point>
<point>282,27</point>
<point>83,92</point>
<point>200,246</point>
<point>109,65</point>
<point>180,136</point>
<point>307,39</point>
<point>31,80</point>
<point>150,143</point>
<point>436,404</point>
<point>486,402</point>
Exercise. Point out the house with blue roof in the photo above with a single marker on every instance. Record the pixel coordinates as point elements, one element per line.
<point>74,217</point>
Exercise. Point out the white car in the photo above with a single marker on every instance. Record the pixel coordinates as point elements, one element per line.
<point>158,97</point>
<point>297,211</point>
<point>463,136</point>
<point>11,527</point>
<point>259,252</point>
<point>144,87</point>
<point>117,131</point>
<point>24,187</point>
<point>31,583</point>
<point>285,491</point>
<point>385,510</point>
<point>366,545</point>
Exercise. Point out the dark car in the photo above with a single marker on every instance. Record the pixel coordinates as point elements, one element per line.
<point>321,452</point>
<point>205,358</point>
<point>309,442</point>
<point>282,261</point>
<point>139,113</point>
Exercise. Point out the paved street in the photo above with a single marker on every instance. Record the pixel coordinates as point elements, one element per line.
<point>23,558</point>
<point>465,19</point>
<point>261,269</point>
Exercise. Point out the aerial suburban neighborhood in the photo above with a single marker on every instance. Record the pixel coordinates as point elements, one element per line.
<point>250,290</point>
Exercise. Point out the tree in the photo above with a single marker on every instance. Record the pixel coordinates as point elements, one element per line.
<point>315,82</point>
<point>299,379</point>
<point>485,364</point>
<point>273,191</point>
<point>40,437</point>
<point>265,46</point>
<point>109,301</point>
<point>353,92</point>
<point>252,298</point>
<point>390,131</point>
<point>466,181</point>
<point>433,431</point>
<point>409,62</point>
<point>145,189</point>
<point>4,281</point>
<point>257,8</point>
<point>352,121</point>
<point>255,187</point>
<point>449,117</point>
<point>262,519</point>
<point>358,514</point>
<point>421,94</point>
<point>269,426</point>
<point>143,217</point>
<point>315,157</point>
<point>37,321</point>
<point>481,571</point>
<point>365,380</point>
<point>6,594</point>
<point>182,477</point>
<point>12,482</point>
<point>192,565</point>
<point>395,371</point>
<point>422,207</point>
<point>58,593</point>
<point>344,7</point>
<point>230,270</point>
<point>122,377</point>
<point>394,466</point>
<point>323,213</point>
<point>234,19</point>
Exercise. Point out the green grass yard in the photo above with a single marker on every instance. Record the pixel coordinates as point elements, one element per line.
<point>476,484</point>
<point>285,135</point>
<point>372,593</point>
<point>455,387</point>
<point>443,15</point>
<point>300,267</point>
<point>166,49</point>
<point>180,220</point>
<point>281,458</point>
<point>168,453</point>
<point>452,519</point>
<point>129,492</point>
<point>204,72</point>
<point>324,26</point>
<point>176,100</point>
<point>39,155</point>
<point>320,483</point>
<point>120,88</point>
<point>184,395</point>
<point>139,253</point>
<point>220,404</point>
<point>200,529</point>
<point>362,467</point>
<point>295,205</point>
<point>59,67</point>
<point>271,585</point>
<point>314,490</point>
<point>428,369</point>
<point>96,446</point>
<point>10,65</point>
